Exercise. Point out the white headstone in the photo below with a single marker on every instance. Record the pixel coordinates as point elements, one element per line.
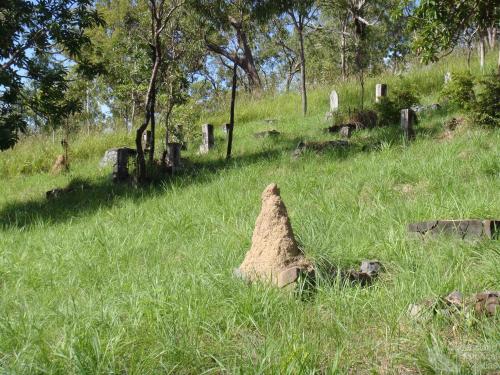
<point>380,92</point>
<point>447,77</point>
<point>334,101</point>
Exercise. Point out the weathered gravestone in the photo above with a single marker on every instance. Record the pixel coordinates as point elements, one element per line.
<point>110,156</point>
<point>120,169</point>
<point>447,77</point>
<point>173,157</point>
<point>334,101</point>
<point>408,118</point>
<point>334,106</point>
<point>380,92</point>
<point>346,131</point>
<point>226,128</point>
<point>465,229</point>
<point>208,139</point>
<point>120,166</point>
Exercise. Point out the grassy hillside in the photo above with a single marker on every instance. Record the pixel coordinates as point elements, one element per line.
<point>113,279</point>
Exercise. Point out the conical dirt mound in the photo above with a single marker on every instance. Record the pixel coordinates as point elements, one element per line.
<point>274,249</point>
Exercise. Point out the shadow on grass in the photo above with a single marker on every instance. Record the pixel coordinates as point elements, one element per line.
<point>82,197</point>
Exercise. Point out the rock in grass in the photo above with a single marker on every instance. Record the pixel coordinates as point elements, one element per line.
<point>487,303</point>
<point>455,298</point>
<point>267,133</point>
<point>274,256</point>
<point>319,147</point>
<point>371,267</point>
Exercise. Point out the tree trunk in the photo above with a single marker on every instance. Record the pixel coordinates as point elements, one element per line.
<point>231,118</point>
<point>167,122</point>
<point>481,52</point>
<point>300,31</point>
<point>247,62</point>
<point>132,116</point>
<point>343,58</point>
<point>492,36</point>
<point>141,161</point>
<point>153,128</point>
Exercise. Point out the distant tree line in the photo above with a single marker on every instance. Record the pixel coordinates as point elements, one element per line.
<point>145,61</point>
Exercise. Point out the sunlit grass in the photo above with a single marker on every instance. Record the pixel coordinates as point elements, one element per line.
<point>114,279</point>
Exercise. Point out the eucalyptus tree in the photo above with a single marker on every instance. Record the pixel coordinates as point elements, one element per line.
<point>302,13</point>
<point>228,28</point>
<point>439,25</point>
<point>39,40</point>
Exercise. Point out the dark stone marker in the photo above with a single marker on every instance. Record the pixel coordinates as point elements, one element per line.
<point>120,169</point>
<point>380,91</point>
<point>463,228</point>
<point>408,118</point>
<point>174,155</point>
<point>208,139</point>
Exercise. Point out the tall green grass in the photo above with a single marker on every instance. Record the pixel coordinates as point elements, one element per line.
<point>114,279</point>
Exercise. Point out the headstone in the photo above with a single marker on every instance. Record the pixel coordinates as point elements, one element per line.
<point>462,228</point>
<point>380,92</point>
<point>447,77</point>
<point>408,118</point>
<point>208,140</point>
<point>346,131</point>
<point>334,101</point>
<point>174,155</point>
<point>120,169</point>
<point>110,156</point>
<point>146,140</point>
<point>225,128</point>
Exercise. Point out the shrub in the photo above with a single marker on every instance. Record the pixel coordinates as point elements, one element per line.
<point>459,91</point>
<point>389,108</point>
<point>486,108</point>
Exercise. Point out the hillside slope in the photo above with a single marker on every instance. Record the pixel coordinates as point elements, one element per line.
<point>117,279</point>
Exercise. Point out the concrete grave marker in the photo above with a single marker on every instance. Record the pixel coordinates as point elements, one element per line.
<point>447,77</point>
<point>120,169</point>
<point>408,118</point>
<point>174,155</point>
<point>208,139</point>
<point>380,92</point>
<point>334,101</point>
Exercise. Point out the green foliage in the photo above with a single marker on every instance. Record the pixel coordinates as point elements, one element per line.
<point>112,279</point>
<point>33,38</point>
<point>438,25</point>
<point>460,90</point>
<point>389,108</point>
<point>486,108</point>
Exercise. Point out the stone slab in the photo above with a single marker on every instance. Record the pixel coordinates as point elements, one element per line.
<point>462,228</point>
